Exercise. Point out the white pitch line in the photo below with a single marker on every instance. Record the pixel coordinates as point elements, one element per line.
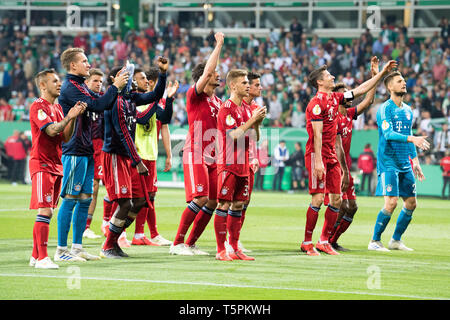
<point>229,286</point>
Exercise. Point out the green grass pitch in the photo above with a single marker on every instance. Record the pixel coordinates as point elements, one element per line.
<point>273,229</point>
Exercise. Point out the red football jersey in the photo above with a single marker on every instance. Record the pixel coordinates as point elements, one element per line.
<point>202,113</point>
<point>233,155</point>
<point>253,151</point>
<point>344,128</point>
<point>46,151</point>
<point>324,108</point>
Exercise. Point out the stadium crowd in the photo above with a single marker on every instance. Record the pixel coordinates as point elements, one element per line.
<point>284,58</point>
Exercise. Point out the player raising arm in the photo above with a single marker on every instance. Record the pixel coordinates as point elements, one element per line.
<point>346,115</point>
<point>396,147</point>
<point>199,165</point>
<point>320,157</point>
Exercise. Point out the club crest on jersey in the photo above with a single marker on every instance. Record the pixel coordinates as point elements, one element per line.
<point>48,198</point>
<point>389,188</point>
<point>316,110</point>
<point>77,187</point>
<point>199,188</point>
<point>230,120</point>
<point>385,125</point>
<point>41,115</point>
<point>408,116</point>
<point>123,189</point>
<point>224,190</point>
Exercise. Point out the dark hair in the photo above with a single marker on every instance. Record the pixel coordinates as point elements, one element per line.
<point>138,70</point>
<point>113,73</point>
<point>389,77</point>
<point>316,75</point>
<point>339,86</point>
<point>198,71</point>
<point>252,76</point>
<point>152,73</point>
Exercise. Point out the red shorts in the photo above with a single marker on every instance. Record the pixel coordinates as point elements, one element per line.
<point>349,195</point>
<point>98,159</point>
<point>331,181</point>
<point>232,187</point>
<point>199,179</point>
<point>151,180</point>
<point>45,190</point>
<point>122,181</point>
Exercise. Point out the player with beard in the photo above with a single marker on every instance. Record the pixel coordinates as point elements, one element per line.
<point>123,166</point>
<point>48,129</point>
<point>199,164</point>
<point>146,140</point>
<point>321,161</point>
<point>396,152</point>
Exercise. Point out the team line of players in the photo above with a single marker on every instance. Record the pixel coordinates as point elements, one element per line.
<point>69,156</point>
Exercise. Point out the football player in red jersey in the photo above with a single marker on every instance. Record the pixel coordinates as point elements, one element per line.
<point>233,122</point>
<point>49,128</point>
<point>346,115</point>
<point>251,105</point>
<point>320,157</point>
<point>199,165</point>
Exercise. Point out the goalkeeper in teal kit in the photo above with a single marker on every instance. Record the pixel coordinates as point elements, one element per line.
<point>397,163</point>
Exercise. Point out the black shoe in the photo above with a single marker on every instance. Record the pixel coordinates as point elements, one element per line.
<point>337,247</point>
<point>119,251</point>
<point>110,254</point>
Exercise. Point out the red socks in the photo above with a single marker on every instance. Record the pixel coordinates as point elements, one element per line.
<point>234,228</point>
<point>40,237</point>
<point>200,223</point>
<point>187,218</point>
<point>151,219</point>
<point>330,219</point>
<point>311,220</point>
<point>220,228</point>
<point>342,227</point>
<point>140,220</point>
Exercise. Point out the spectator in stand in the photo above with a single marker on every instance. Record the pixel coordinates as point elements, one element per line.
<point>15,150</point>
<point>280,156</point>
<point>442,141</point>
<point>6,113</point>
<point>366,163</point>
<point>5,82</point>
<point>445,166</point>
<point>297,162</point>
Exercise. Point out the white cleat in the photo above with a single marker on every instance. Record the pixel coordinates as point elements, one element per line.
<point>88,233</point>
<point>32,262</point>
<point>81,253</point>
<point>241,247</point>
<point>398,245</point>
<point>160,240</point>
<point>46,263</point>
<point>181,249</point>
<point>65,255</point>
<point>377,246</point>
<point>196,251</point>
<point>228,247</point>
